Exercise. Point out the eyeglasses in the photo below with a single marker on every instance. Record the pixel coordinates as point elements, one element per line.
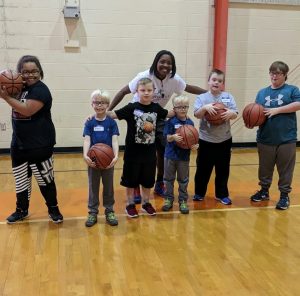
<point>181,107</point>
<point>276,73</point>
<point>34,72</point>
<point>96,103</point>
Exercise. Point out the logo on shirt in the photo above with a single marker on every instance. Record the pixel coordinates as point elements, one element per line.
<point>278,99</point>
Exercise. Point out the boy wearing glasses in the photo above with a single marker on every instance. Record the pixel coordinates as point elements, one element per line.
<point>215,140</point>
<point>277,137</point>
<point>176,159</point>
<point>100,129</point>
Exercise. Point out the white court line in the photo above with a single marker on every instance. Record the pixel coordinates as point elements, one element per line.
<point>158,214</point>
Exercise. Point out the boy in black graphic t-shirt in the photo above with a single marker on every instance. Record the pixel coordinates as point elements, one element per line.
<point>140,154</point>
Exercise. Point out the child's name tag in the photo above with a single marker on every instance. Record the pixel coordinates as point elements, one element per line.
<point>98,128</point>
<point>226,100</point>
<point>178,125</point>
<point>138,112</point>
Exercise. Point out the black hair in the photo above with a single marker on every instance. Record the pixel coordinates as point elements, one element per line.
<point>30,59</point>
<point>281,66</point>
<point>153,68</point>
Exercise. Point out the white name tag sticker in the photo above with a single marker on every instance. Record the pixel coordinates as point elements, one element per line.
<point>225,100</point>
<point>138,113</point>
<point>178,125</point>
<point>98,128</point>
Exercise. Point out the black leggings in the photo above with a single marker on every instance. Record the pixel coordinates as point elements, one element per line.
<point>37,162</point>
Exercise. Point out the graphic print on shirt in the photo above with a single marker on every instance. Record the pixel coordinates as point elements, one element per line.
<point>141,137</point>
<point>16,115</point>
<point>278,99</point>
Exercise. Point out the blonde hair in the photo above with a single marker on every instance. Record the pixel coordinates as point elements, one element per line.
<point>182,99</point>
<point>103,94</point>
<point>144,81</point>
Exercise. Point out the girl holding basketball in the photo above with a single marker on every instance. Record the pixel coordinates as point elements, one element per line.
<point>100,129</point>
<point>214,140</point>
<point>33,140</point>
<point>177,159</point>
<point>166,82</point>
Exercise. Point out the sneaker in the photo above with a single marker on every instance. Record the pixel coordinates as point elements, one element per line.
<point>183,208</point>
<point>55,215</point>
<point>260,195</point>
<point>283,203</point>
<point>147,207</point>
<point>91,220</point>
<point>168,205</point>
<point>111,219</point>
<point>131,211</point>
<point>137,195</point>
<point>224,200</point>
<point>197,197</point>
<point>18,215</point>
<point>159,188</point>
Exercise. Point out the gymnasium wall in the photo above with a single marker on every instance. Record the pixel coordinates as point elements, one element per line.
<point>113,40</point>
<point>110,43</point>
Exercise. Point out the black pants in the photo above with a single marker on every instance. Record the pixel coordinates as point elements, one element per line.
<point>37,162</point>
<point>160,144</point>
<point>212,155</point>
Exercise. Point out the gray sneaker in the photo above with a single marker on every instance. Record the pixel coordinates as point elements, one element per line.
<point>111,218</point>
<point>168,205</point>
<point>183,208</point>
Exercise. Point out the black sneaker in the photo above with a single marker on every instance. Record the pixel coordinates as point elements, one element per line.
<point>111,218</point>
<point>283,203</point>
<point>18,215</point>
<point>55,215</point>
<point>91,220</point>
<point>260,195</point>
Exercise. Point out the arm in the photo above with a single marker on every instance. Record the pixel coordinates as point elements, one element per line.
<point>206,108</point>
<point>115,146</point>
<point>27,108</point>
<point>119,97</point>
<point>196,90</point>
<point>112,114</point>
<point>86,147</point>
<point>290,108</point>
<point>174,137</point>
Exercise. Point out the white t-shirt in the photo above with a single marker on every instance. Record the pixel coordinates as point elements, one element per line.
<point>164,89</point>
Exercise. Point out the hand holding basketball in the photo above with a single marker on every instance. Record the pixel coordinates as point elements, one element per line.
<point>11,83</point>
<point>189,135</point>
<point>102,155</point>
<point>254,115</point>
<point>214,113</point>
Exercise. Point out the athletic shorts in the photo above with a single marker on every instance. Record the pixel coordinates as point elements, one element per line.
<point>135,174</point>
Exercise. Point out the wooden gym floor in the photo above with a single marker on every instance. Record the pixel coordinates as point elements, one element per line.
<point>243,249</point>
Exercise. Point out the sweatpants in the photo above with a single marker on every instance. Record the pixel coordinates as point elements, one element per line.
<point>107,176</point>
<point>39,163</point>
<point>284,157</point>
<point>182,169</point>
<point>213,155</point>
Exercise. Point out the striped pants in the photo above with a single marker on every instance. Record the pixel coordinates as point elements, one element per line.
<point>39,163</point>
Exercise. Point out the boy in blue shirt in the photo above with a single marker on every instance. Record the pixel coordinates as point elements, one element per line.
<point>176,159</point>
<point>100,129</point>
<point>277,137</point>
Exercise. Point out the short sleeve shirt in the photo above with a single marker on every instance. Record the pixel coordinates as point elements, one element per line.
<point>101,131</point>
<point>164,89</point>
<point>215,133</point>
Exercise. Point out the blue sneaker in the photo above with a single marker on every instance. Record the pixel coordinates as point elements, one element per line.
<point>159,188</point>
<point>224,200</point>
<point>283,203</point>
<point>197,197</point>
<point>137,195</point>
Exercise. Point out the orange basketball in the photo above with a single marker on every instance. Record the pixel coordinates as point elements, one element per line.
<point>253,115</point>
<point>216,119</point>
<point>189,134</point>
<point>12,81</point>
<point>101,155</point>
<point>148,127</point>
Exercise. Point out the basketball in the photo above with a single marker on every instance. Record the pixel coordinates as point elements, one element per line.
<point>148,127</point>
<point>12,81</point>
<point>253,115</point>
<point>101,155</point>
<point>216,119</point>
<point>189,134</point>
